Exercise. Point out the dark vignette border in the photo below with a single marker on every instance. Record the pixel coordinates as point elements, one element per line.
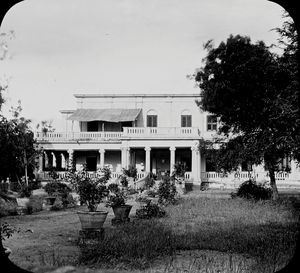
<point>294,10</point>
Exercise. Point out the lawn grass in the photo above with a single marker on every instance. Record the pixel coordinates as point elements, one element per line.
<point>265,231</point>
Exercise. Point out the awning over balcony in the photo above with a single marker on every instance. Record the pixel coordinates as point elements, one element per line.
<point>110,115</point>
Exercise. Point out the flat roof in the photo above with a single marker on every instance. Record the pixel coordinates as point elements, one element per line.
<point>67,111</point>
<point>157,95</point>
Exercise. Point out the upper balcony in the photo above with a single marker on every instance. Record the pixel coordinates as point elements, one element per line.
<point>161,132</point>
<point>128,133</point>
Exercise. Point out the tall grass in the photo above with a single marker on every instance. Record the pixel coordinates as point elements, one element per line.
<point>132,245</point>
<point>264,231</point>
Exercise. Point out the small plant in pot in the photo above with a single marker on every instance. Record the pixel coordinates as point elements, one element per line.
<point>117,201</point>
<point>130,174</point>
<point>91,192</point>
<point>56,190</point>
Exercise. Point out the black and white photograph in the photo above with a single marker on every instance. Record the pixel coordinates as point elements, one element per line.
<point>149,136</point>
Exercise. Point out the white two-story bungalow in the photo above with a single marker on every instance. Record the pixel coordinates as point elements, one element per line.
<point>149,131</point>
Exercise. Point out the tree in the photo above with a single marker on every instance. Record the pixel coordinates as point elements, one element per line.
<point>45,126</point>
<point>249,89</point>
<point>18,149</point>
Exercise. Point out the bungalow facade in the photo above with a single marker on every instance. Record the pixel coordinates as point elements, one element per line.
<point>149,131</point>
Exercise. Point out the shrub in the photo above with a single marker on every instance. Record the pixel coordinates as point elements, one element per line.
<point>53,174</point>
<point>6,230</point>
<point>130,172</point>
<point>167,191</point>
<point>179,169</point>
<point>57,188</point>
<point>35,204</point>
<point>58,205</point>
<point>124,181</point>
<point>251,190</point>
<point>7,208</point>
<point>149,211</point>
<point>149,182</point>
<point>25,191</point>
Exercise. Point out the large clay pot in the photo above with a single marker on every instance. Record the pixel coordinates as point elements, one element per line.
<point>92,220</point>
<point>122,212</point>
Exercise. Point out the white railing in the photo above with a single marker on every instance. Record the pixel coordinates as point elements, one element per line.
<point>78,136</point>
<point>62,175</point>
<point>148,132</point>
<point>188,176</point>
<point>243,176</point>
<point>141,175</point>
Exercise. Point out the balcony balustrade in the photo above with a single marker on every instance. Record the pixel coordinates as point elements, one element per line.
<point>161,132</point>
<point>78,136</point>
<point>129,132</point>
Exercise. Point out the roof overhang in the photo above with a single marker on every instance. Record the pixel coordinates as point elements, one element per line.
<point>110,115</point>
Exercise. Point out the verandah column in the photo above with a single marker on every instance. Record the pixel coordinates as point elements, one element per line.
<point>196,160</point>
<point>147,167</point>
<point>102,157</point>
<point>40,163</point>
<point>172,159</point>
<point>125,157</point>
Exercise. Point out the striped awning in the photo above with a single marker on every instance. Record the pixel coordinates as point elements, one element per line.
<point>110,115</point>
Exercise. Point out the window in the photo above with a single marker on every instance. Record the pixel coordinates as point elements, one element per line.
<point>211,123</point>
<point>186,121</point>
<point>151,119</point>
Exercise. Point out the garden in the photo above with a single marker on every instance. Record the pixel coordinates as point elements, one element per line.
<point>161,230</point>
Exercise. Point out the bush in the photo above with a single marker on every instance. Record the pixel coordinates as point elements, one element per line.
<point>7,208</point>
<point>124,181</point>
<point>130,172</point>
<point>149,211</point>
<point>167,191</point>
<point>6,230</point>
<point>250,190</point>
<point>25,191</point>
<point>57,188</point>
<point>129,246</point>
<point>35,204</point>
<point>149,182</point>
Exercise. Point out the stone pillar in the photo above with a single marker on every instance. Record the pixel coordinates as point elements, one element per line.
<point>172,159</point>
<point>124,157</point>
<point>127,157</point>
<point>63,160</point>
<point>196,160</point>
<point>102,157</point>
<point>46,160</point>
<point>71,159</point>
<point>53,160</point>
<point>259,172</point>
<point>295,170</point>
<point>147,149</point>
<point>40,163</point>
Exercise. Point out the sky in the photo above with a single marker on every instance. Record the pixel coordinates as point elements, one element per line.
<point>66,47</point>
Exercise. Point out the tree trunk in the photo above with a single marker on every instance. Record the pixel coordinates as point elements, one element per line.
<point>25,167</point>
<point>273,184</point>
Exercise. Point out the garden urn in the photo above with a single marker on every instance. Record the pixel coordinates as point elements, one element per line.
<point>92,220</point>
<point>122,212</point>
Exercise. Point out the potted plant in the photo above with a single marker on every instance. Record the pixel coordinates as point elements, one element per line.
<point>56,189</point>
<point>91,191</point>
<point>130,174</point>
<point>117,201</point>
